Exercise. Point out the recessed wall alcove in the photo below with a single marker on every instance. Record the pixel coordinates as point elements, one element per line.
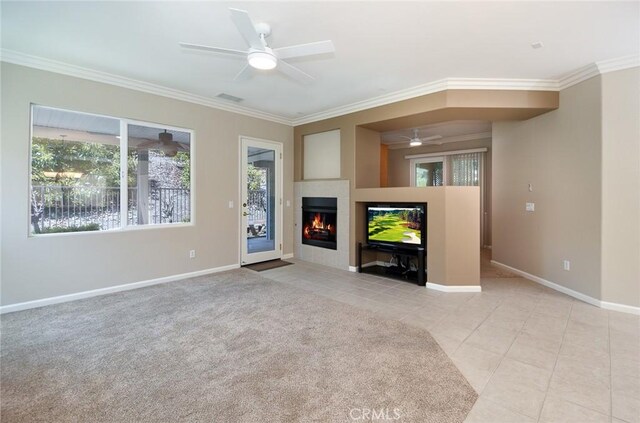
<point>453,256</point>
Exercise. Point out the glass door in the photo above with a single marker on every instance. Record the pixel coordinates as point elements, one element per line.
<point>261,200</point>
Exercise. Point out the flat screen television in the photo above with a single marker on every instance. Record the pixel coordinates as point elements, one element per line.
<point>401,225</point>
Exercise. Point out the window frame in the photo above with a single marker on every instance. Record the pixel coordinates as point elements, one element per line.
<point>441,156</point>
<point>430,159</point>
<point>124,174</point>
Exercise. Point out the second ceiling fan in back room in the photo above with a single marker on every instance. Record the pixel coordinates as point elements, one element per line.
<point>416,140</point>
<point>260,55</point>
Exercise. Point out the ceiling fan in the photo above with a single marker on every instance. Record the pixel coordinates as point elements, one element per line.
<point>164,143</point>
<point>416,140</point>
<point>260,55</point>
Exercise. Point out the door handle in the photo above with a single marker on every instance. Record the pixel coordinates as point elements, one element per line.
<point>245,214</point>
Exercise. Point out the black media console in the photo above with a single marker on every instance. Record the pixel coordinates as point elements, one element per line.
<point>402,268</point>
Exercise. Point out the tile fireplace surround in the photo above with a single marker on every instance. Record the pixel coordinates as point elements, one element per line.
<point>338,258</point>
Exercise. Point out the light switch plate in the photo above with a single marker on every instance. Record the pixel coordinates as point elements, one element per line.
<point>530,207</point>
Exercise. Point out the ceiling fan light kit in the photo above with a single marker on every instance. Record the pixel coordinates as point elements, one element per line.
<point>416,141</point>
<point>263,60</point>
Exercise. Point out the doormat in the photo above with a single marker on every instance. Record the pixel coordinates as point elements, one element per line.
<point>266,265</point>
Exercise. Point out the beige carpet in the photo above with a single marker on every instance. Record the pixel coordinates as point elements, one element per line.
<point>230,347</point>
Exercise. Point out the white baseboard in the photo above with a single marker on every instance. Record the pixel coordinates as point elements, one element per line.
<point>434,286</point>
<point>575,294</point>
<point>287,256</point>
<point>109,290</point>
<point>454,288</point>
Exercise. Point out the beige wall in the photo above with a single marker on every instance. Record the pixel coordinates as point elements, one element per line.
<point>584,163</point>
<point>384,165</point>
<point>559,153</point>
<point>367,158</point>
<point>42,267</point>
<point>621,187</point>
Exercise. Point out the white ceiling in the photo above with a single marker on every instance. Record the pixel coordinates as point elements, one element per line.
<point>381,47</point>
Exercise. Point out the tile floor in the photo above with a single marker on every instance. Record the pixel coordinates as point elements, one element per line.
<point>531,353</point>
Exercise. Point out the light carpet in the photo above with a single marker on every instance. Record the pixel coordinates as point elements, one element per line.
<point>229,347</point>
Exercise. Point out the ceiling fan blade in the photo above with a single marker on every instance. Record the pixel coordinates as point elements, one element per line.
<point>244,74</point>
<point>246,28</point>
<point>295,73</point>
<point>431,138</point>
<point>301,50</point>
<point>214,49</point>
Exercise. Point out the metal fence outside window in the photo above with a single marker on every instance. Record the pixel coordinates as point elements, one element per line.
<point>59,206</point>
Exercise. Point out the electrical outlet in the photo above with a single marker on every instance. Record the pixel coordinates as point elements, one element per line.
<point>230,204</point>
<point>566,265</point>
<point>192,254</point>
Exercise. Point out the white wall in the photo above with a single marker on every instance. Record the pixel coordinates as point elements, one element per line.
<point>47,266</point>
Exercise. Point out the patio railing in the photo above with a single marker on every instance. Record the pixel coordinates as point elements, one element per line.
<point>257,206</point>
<point>59,206</point>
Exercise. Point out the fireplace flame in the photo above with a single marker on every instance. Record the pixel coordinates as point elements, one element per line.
<point>317,226</point>
<point>318,223</point>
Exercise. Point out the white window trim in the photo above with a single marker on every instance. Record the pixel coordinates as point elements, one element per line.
<point>124,168</point>
<point>428,159</point>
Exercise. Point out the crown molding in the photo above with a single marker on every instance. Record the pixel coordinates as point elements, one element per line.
<point>22,59</point>
<point>430,88</point>
<point>446,140</point>
<point>565,81</point>
<point>598,68</point>
<point>501,84</point>
<point>577,76</point>
<point>621,63</point>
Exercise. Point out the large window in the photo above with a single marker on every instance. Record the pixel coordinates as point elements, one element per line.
<point>92,173</point>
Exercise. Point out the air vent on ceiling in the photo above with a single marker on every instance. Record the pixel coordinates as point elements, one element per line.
<point>230,97</point>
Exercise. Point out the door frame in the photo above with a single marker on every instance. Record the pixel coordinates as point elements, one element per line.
<point>244,257</point>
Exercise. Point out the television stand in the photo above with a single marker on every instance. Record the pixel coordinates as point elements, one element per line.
<point>402,269</point>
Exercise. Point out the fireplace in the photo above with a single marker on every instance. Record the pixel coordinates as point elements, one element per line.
<point>319,218</point>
